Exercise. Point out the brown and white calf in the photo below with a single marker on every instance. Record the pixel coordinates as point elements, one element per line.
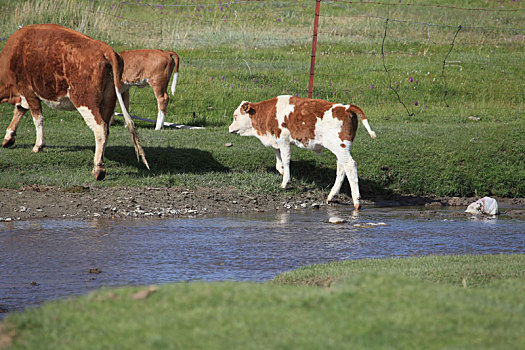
<point>153,67</point>
<point>66,70</point>
<point>307,123</point>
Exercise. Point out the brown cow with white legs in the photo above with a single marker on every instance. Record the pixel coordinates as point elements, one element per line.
<point>67,70</point>
<point>153,67</point>
<point>307,123</point>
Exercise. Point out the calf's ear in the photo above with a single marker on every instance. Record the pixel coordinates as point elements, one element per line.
<point>247,108</point>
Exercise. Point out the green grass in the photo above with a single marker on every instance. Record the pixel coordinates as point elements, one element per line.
<point>258,50</point>
<point>455,302</point>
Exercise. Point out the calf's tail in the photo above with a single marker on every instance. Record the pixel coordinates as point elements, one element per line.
<point>362,116</point>
<point>118,65</point>
<point>175,58</point>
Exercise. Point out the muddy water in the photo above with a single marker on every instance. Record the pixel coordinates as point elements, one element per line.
<point>47,259</point>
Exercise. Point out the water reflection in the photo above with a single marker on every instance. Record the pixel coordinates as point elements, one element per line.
<point>46,259</point>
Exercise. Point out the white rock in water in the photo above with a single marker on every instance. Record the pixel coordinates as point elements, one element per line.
<point>336,220</point>
<point>485,206</point>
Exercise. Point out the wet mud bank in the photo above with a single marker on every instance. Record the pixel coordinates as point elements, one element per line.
<point>37,202</point>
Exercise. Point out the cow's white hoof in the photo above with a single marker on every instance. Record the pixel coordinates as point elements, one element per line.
<point>37,149</point>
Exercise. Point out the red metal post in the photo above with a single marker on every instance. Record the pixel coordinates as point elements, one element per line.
<point>314,49</point>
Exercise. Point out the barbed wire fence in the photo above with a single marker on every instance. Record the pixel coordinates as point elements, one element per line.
<point>210,31</point>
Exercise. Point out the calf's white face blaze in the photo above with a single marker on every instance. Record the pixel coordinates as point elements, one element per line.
<point>306,123</point>
<point>242,123</point>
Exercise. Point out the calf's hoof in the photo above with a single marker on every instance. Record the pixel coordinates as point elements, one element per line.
<point>37,149</point>
<point>100,173</point>
<point>8,142</point>
<point>357,206</point>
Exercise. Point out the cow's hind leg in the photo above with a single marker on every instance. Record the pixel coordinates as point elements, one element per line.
<point>101,138</point>
<point>162,103</point>
<point>38,120</point>
<point>345,165</point>
<point>10,133</point>
<point>350,167</point>
<point>338,182</point>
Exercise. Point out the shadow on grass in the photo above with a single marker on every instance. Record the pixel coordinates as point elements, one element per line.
<point>166,160</point>
<point>162,160</point>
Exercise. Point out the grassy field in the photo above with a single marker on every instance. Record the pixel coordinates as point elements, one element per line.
<point>256,50</point>
<point>455,302</point>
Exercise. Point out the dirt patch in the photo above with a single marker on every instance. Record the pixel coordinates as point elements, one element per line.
<point>6,337</point>
<point>36,202</point>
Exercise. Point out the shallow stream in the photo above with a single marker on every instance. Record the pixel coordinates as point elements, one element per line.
<point>42,260</point>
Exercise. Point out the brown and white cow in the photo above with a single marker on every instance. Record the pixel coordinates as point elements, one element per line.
<point>67,70</point>
<point>307,123</point>
<point>153,67</point>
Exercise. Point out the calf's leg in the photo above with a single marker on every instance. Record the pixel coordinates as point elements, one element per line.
<point>350,167</point>
<point>10,133</point>
<point>338,182</point>
<point>285,157</point>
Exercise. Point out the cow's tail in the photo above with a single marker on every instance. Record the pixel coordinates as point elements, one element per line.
<point>362,116</point>
<point>117,65</point>
<point>175,58</point>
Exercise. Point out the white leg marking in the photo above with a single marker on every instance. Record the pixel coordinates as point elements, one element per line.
<point>345,163</point>
<point>160,120</point>
<point>38,120</point>
<point>88,116</point>
<point>9,134</point>
<point>285,157</point>
<point>23,102</point>
<point>100,132</point>
<point>351,172</point>
<point>338,182</point>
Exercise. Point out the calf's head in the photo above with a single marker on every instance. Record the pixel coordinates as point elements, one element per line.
<point>242,121</point>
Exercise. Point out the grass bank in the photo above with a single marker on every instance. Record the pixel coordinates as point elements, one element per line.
<point>436,302</point>
<point>463,158</point>
<point>257,50</point>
